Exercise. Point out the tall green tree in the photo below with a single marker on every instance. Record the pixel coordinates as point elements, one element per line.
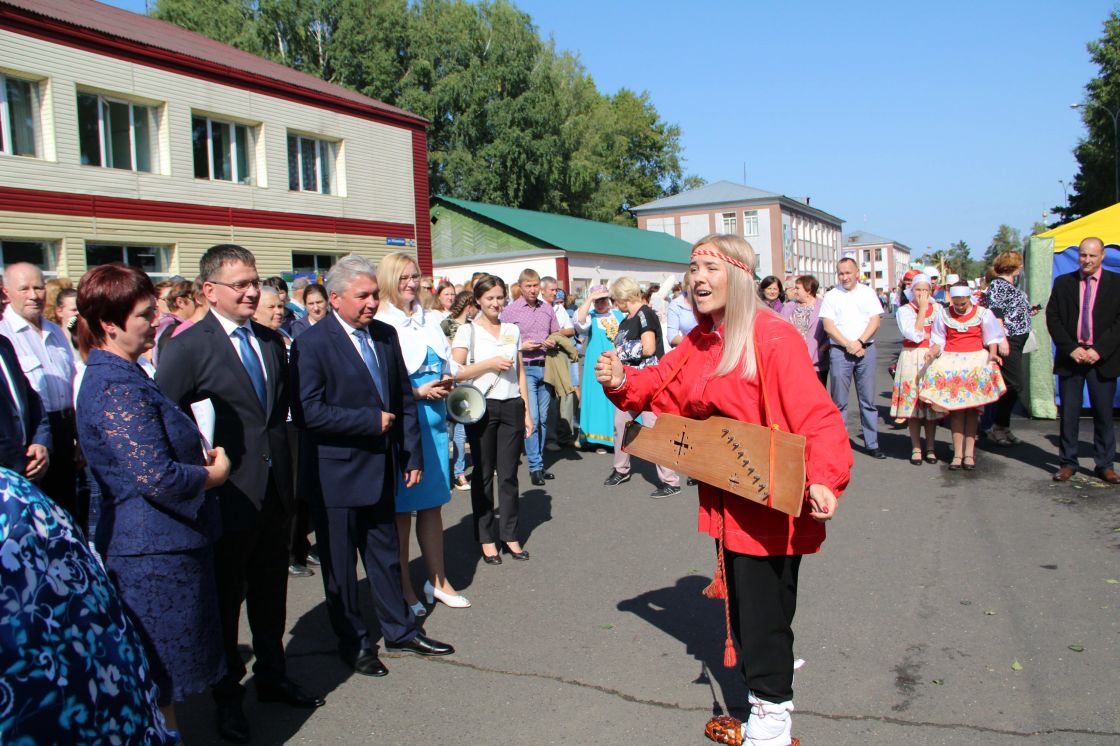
<point>512,121</point>
<point>1095,186</point>
<point>1005,239</point>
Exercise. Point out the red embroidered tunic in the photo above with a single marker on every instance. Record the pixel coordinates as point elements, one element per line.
<point>799,403</point>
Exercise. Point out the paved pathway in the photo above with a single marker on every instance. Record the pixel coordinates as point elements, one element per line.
<point>932,584</point>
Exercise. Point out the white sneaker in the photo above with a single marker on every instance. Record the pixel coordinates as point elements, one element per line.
<point>770,723</point>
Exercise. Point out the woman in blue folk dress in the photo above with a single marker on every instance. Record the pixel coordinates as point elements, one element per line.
<point>598,323</point>
<point>158,524</point>
<point>427,356</point>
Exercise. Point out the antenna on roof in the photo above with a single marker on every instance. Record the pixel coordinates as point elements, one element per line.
<point>744,173</point>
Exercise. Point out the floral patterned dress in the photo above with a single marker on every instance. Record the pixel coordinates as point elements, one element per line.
<point>962,378</point>
<point>72,664</point>
<point>911,363</point>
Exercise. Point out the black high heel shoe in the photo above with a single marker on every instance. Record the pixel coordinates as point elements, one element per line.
<point>522,555</point>
<point>493,559</point>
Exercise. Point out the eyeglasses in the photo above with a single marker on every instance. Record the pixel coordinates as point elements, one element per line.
<point>241,285</point>
<point>410,278</point>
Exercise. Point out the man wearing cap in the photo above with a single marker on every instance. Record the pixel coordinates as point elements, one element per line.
<point>850,314</point>
<point>1083,318</point>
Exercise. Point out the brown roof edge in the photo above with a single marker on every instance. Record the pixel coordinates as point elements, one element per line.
<point>120,33</point>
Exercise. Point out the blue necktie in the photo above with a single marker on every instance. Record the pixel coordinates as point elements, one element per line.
<point>370,359</point>
<point>252,363</point>
<point>1086,310</point>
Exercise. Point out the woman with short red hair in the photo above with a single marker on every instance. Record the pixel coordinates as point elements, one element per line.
<point>158,524</point>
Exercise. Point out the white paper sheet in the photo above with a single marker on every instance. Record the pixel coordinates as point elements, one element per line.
<point>204,417</point>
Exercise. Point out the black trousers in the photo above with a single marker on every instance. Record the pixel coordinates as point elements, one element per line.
<point>299,546</point>
<point>496,442</point>
<point>60,483</point>
<point>371,531</point>
<point>762,593</point>
<point>1102,391</point>
<point>1012,371</point>
<point>252,566</point>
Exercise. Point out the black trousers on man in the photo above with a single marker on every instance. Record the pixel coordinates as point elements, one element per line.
<point>762,593</point>
<point>496,441</point>
<point>252,566</point>
<point>369,531</point>
<point>60,482</point>
<point>1102,392</point>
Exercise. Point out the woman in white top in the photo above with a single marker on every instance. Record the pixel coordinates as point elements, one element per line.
<point>488,352</point>
<point>427,357</point>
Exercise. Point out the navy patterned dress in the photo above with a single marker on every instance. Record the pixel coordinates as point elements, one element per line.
<point>157,525</point>
<point>72,665</point>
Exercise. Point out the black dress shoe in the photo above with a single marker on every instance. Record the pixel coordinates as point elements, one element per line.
<point>232,724</point>
<point>877,453</point>
<point>492,559</point>
<point>548,475</point>
<point>537,478</point>
<point>287,691</point>
<point>313,559</point>
<point>367,663</point>
<point>420,645</point>
<point>522,555</point>
<point>300,571</point>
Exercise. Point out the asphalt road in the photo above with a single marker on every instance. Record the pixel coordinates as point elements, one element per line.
<point>931,586</point>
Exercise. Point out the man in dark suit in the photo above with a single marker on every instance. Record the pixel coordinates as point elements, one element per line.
<point>354,403</point>
<point>1083,318</point>
<point>240,366</point>
<point>25,430</point>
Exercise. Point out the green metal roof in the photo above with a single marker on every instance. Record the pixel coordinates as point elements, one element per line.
<point>579,235</point>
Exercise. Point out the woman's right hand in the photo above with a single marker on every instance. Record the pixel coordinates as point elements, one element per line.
<point>218,470</point>
<point>609,370</point>
<point>499,363</point>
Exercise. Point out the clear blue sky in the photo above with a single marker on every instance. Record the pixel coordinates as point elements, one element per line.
<point>927,123</point>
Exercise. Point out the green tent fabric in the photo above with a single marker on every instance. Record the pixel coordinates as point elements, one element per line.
<point>1039,400</point>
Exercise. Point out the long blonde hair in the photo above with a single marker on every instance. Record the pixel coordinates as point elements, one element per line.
<point>389,271</point>
<point>742,305</point>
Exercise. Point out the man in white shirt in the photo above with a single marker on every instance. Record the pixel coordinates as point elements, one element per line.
<point>562,409</point>
<point>850,314</point>
<point>47,360</point>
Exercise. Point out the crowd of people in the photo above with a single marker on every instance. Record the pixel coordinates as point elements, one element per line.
<point>201,431</point>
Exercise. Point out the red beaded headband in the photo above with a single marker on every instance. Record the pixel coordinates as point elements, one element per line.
<point>700,251</point>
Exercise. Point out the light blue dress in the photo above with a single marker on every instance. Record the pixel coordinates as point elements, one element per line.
<point>435,487</point>
<point>596,413</point>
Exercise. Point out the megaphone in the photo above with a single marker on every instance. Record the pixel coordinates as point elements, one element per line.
<point>466,404</point>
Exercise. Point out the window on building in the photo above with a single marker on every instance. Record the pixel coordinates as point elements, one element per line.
<point>117,134</point>
<point>878,255</point>
<point>151,259</point>
<point>694,227</point>
<point>662,225</point>
<point>729,223</point>
<point>223,151</point>
<point>19,117</point>
<point>750,223</point>
<point>866,256</point>
<point>311,165</point>
<point>43,254</point>
<point>312,263</point>
<point>878,274</point>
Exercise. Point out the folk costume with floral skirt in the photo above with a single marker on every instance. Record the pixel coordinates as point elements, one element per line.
<point>911,363</point>
<point>962,377</point>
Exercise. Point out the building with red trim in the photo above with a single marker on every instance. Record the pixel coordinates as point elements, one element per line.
<point>125,138</point>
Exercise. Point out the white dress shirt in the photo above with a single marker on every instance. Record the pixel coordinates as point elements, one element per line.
<point>230,327</point>
<point>46,358</point>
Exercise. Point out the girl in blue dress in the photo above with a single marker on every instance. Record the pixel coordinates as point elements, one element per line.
<point>598,323</point>
<point>427,356</point>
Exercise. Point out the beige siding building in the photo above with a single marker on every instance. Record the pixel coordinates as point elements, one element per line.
<point>789,237</point>
<point>129,139</point>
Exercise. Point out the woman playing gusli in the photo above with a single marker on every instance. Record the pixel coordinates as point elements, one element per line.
<point>966,375</point>
<point>915,322</point>
<point>725,366</point>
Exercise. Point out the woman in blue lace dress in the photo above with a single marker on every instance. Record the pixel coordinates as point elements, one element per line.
<point>158,523</point>
<point>72,666</point>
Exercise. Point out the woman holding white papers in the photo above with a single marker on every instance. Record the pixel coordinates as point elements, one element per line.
<point>487,351</point>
